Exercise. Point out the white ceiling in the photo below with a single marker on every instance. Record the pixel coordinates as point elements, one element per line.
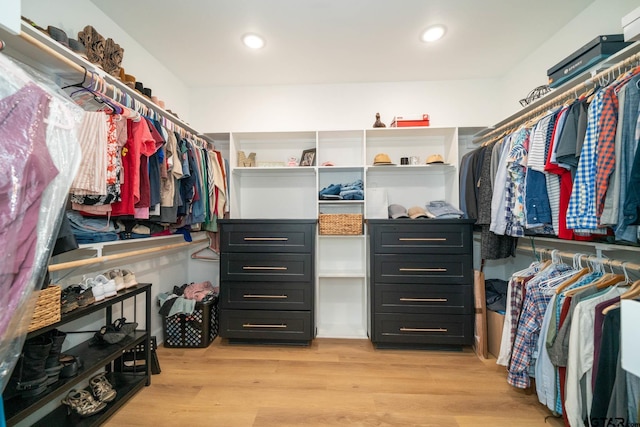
<point>338,41</point>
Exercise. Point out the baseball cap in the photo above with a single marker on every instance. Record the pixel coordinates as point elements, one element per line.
<point>435,158</point>
<point>417,212</point>
<point>382,159</point>
<point>397,211</point>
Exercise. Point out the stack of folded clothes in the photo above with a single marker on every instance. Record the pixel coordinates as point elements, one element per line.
<point>91,230</point>
<point>442,209</point>
<point>349,191</point>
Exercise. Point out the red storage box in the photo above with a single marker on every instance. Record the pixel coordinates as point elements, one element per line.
<point>410,120</point>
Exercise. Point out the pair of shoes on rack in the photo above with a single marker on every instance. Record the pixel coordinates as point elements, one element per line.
<point>76,296</point>
<point>114,333</point>
<point>124,279</point>
<point>86,403</point>
<point>101,286</point>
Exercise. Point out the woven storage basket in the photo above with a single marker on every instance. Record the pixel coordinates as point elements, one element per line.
<point>47,310</point>
<point>340,224</point>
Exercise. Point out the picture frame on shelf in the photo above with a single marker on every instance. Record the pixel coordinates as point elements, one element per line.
<point>308,157</point>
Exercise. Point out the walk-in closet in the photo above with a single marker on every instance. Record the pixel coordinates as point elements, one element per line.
<point>256,214</point>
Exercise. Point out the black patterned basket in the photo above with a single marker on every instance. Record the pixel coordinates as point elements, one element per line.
<point>195,330</point>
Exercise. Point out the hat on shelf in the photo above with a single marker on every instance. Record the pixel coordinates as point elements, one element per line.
<point>382,159</point>
<point>417,212</point>
<point>397,211</point>
<point>434,158</point>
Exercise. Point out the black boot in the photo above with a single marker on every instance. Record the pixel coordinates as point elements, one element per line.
<point>53,364</point>
<point>29,376</point>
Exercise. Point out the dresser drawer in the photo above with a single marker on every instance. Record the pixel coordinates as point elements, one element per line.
<point>266,325</point>
<point>444,299</point>
<point>411,238</point>
<point>266,296</point>
<point>266,267</point>
<point>424,329</point>
<point>427,268</point>
<point>267,237</point>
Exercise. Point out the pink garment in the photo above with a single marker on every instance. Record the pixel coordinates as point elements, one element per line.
<point>198,291</point>
<point>27,170</point>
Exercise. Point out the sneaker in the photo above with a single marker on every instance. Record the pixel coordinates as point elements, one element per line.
<point>101,388</point>
<point>68,299</point>
<point>116,276</point>
<point>97,289</point>
<point>129,278</point>
<point>83,403</point>
<point>109,285</point>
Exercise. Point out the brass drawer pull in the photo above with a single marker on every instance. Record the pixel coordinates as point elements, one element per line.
<point>247,267</point>
<point>253,325</point>
<point>429,270</point>
<point>422,239</point>
<point>266,239</point>
<point>265,296</point>
<point>423,329</point>
<point>424,299</point>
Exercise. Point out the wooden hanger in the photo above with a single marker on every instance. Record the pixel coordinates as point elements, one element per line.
<point>208,253</point>
<point>633,292</point>
<point>570,281</point>
<point>608,279</point>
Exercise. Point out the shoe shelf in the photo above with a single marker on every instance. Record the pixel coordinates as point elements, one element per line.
<point>93,358</point>
<point>126,384</point>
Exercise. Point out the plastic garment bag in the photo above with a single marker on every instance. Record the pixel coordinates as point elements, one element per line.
<point>40,155</point>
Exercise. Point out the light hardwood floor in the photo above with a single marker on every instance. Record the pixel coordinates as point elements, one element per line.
<point>330,383</point>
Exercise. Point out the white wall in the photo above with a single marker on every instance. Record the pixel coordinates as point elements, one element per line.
<point>601,17</point>
<point>339,106</point>
<point>353,106</point>
<point>73,15</point>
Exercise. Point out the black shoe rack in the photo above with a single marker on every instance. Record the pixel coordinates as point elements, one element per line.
<point>95,359</point>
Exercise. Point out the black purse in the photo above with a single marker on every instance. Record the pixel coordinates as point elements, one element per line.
<point>114,333</point>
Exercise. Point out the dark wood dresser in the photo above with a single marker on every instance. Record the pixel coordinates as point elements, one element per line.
<point>267,278</point>
<point>421,282</point>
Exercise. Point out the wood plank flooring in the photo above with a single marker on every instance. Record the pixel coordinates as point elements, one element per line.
<point>330,383</point>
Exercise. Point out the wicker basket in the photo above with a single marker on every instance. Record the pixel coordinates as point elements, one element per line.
<point>340,224</point>
<point>47,310</point>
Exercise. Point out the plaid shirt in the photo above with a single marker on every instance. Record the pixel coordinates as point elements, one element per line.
<point>534,307</point>
<point>515,306</point>
<point>581,213</point>
<point>606,158</point>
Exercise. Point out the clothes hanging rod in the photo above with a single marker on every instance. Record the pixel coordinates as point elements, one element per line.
<point>89,261</point>
<point>629,266</point>
<point>50,47</point>
<point>630,54</point>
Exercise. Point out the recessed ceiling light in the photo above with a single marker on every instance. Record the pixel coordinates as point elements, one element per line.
<point>433,33</point>
<point>253,41</point>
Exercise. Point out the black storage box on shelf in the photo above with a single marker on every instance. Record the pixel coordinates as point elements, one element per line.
<point>195,330</point>
<point>588,55</point>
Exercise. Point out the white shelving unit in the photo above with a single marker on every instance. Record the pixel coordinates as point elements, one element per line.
<point>272,190</point>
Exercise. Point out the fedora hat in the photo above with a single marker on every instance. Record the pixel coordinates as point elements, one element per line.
<point>435,158</point>
<point>382,159</point>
